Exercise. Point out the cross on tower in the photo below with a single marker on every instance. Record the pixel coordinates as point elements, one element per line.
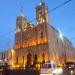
<point>21,12</point>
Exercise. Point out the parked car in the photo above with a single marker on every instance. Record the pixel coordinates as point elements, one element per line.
<point>50,69</point>
<point>70,65</point>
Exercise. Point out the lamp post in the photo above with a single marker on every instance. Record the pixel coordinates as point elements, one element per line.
<point>12,57</point>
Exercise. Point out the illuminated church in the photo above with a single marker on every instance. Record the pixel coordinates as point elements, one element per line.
<point>40,43</point>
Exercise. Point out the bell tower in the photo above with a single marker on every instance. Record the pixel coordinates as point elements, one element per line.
<point>20,22</point>
<point>42,13</point>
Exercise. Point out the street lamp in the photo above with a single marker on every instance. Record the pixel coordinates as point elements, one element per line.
<point>12,51</point>
<point>12,56</point>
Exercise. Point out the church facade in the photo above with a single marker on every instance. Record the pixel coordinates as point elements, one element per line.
<point>40,43</point>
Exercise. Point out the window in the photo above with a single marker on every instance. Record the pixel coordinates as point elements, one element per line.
<point>57,42</point>
<point>35,57</point>
<point>23,59</point>
<point>35,60</point>
<point>17,60</point>
<point>29,59</point>
<point>43,58</point>
<point>42,35</point>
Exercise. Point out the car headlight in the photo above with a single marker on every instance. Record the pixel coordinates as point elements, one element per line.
<point>58,71</point>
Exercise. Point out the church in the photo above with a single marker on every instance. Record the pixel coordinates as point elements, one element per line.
<point>40,43</point>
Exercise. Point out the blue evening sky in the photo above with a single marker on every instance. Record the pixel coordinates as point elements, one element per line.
<point>63,18</point>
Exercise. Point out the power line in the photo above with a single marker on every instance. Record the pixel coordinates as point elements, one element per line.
<point>64,3</point>
<point>59,6</point>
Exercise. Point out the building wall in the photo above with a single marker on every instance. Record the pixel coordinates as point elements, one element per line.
<point>32,41</point>
<point>39,43</point>
<point>42,38</point>
<point>60,50</point>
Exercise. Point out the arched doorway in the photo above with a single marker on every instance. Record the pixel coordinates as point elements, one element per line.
<point>43,58</point>
<point>35,60</point>
<point>29,59</point>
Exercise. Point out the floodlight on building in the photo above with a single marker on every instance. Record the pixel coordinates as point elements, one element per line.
<point>43,20</point>
<point>12,51</point>
<point>52,62</point>
<point>61,36</point>
<point>40,3</point>
<point>5,60</point>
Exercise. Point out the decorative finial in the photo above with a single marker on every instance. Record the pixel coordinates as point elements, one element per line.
<point>21,12</point>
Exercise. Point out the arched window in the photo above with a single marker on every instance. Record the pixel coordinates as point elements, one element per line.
<point>35,57</point>
<point>43,58</point>
<point>35,60</point>
<point>42,35</point>
<point>17,60</point>
<point>29,59</point>
<point>23,59</point>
